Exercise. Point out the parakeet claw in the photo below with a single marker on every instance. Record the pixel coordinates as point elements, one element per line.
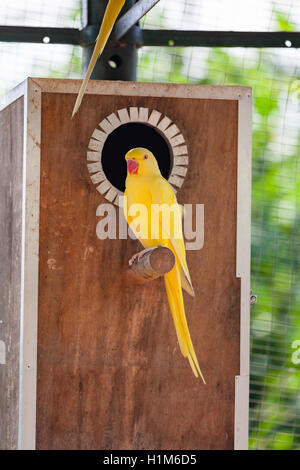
<point>138,256</point>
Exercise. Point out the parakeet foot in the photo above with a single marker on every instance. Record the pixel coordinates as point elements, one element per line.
<point>138,256</point>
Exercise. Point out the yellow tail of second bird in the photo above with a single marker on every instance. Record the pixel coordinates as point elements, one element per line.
<point>111,13</point>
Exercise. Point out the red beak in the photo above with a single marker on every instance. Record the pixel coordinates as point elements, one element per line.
<point>132,166</point>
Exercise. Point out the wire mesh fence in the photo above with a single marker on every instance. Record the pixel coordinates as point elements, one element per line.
<point>274,76</point>
<point>20,60</point>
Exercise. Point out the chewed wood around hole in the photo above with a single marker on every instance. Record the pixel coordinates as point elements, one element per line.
<point>129,128</point>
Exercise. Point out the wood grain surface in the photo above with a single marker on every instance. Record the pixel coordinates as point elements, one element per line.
<point>11,151</point>
<point>110,372</point>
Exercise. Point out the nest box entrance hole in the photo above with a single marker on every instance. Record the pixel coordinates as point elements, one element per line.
<point>126,137</point>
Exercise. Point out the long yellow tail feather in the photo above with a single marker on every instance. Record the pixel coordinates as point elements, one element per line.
<point>111,13</point>
<point>174,292</point>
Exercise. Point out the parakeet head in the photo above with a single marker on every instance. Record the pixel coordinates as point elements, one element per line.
<point>141,161</point>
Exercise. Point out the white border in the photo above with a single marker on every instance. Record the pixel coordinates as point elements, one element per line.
<point>32,89</point>
<point>243,261</point>
<point>119,88</point>
<point>30,258</point>
<point>156,120</point>
<point>29,304</point>
<point>13,95</point>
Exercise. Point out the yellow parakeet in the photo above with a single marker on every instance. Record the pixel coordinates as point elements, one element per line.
<point>111,13</point>
<point>152,212</point>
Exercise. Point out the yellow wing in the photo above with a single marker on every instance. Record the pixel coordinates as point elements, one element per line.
<point>111,13</point>
<point>162,191</point>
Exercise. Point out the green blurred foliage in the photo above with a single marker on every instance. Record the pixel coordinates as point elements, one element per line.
<point>73,67</point>
<point>275,320</point>
<point>283,22</point>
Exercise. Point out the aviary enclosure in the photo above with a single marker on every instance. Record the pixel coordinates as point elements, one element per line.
<point>97,350</point>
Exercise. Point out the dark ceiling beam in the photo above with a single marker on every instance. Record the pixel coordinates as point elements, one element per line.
<point>220,38</point>
<point>37,35</point>
<point>148,37</point>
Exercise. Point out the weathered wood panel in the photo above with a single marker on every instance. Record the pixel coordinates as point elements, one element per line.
<point>11,150</point>
<point>110,373</point>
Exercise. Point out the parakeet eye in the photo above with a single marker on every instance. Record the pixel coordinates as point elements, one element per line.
<point>145,157</point>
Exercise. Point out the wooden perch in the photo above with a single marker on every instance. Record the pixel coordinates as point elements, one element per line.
<point>154,263</point>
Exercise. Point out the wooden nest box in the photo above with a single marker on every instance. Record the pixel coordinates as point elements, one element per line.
<point>88,360</point>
